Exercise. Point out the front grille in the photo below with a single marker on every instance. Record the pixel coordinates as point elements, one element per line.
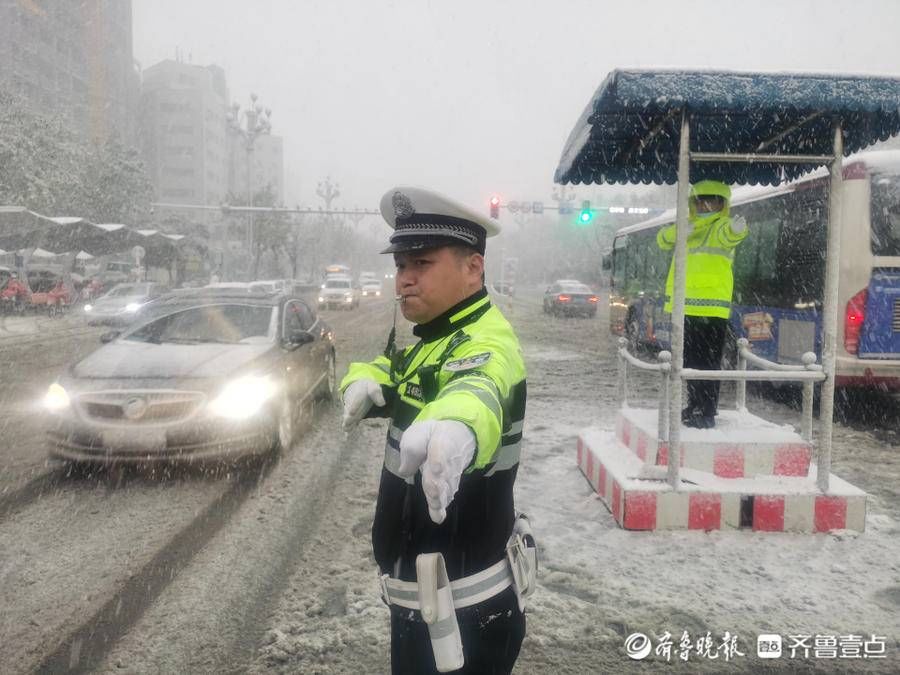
<point>895,322</point>
<point>139,407</point>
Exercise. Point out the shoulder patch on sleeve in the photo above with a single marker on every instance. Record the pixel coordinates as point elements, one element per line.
<point>468,363</point>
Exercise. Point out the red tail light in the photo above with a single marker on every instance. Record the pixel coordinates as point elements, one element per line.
<point>593,298</point>
<point>563,298</point>
<point>854,317</point>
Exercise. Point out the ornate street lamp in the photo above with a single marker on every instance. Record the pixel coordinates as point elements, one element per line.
<point>256,122</point>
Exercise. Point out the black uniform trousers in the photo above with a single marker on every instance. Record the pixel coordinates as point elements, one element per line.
<point>492,633</point>
<point>704,339</point>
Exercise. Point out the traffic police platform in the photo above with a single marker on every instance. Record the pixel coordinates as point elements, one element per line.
<point>679,126</point>
<point>726,481</point>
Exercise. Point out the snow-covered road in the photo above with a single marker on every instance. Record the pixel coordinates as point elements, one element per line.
<point>270,569</point>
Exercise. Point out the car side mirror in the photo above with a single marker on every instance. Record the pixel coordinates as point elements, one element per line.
<point>298,338</point>
<point>110,336</point>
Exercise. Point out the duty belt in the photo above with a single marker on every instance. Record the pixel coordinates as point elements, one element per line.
<point>466,591</point>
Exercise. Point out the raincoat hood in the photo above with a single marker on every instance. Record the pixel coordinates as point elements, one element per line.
<point>705,188</point>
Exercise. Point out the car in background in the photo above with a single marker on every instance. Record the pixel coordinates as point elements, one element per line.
<point>117,272</point>
<point>504,288</point>
<point>296,286</point>
<point>119,307</point>
<point>371,288</point>
<point>570,297</point>
<point>338,293</point>
<point>211,374</point>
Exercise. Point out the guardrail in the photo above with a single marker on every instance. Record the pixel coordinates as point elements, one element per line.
<point>664,368</point>
<point>808,374</point>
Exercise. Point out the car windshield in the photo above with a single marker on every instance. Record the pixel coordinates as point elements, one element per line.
<point>229,323</point>
<point>337,283</point>
<point>574,288</point>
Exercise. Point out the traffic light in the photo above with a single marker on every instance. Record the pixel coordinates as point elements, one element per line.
<point>586,215</point>
<point>495,206</point>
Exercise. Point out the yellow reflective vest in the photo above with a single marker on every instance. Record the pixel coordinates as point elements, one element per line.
<point>710,256</point>
<point>467,366</point>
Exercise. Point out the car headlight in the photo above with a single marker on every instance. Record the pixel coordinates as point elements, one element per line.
<point>321,299</point>
<point>377,293</point>
<point>348,298</point>
<point>244,397</point>
<point>88,308</point>
<point>132,307</point>
<point>56,398</point>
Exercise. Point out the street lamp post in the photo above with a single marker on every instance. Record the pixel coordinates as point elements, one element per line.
<point>256,122</point>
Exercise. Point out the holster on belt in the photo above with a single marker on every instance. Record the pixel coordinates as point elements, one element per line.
<point>521,552</point>
<point>436,606</point>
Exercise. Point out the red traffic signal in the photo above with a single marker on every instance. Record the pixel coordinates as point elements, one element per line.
<point>495,206</point>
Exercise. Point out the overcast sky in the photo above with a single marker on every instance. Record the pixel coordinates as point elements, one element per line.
<point>473,97</point>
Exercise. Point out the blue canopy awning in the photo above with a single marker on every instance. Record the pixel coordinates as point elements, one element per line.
<point>629,132</point>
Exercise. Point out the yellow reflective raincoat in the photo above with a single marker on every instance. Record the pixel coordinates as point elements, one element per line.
<point>710,256</point>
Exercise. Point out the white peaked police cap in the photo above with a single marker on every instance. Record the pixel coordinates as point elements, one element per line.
<point>424,219</point>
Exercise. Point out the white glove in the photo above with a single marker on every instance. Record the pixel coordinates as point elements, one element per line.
<point>738,224</point>
<point>359,397</point>
<point>443,449</point>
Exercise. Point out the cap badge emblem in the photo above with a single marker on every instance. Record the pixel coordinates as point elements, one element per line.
<point>403,207</point>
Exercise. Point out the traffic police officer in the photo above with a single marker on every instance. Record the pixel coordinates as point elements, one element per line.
<point>457,401</point>
<point>708,291</point>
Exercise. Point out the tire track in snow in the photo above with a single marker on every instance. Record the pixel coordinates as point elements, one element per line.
<point>30,492</point>
<point>86,646</point>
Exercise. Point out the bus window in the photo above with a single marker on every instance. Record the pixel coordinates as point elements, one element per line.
<point>619,260</point>
<point>657,266</point>
<point>885,215</point>
<point>637,255</point>
<point>755,265</point>
<point>801,252</point>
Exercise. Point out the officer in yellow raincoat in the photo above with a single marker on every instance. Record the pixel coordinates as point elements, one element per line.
<point>710,283</point>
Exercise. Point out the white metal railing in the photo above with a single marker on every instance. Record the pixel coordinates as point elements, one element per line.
<point>664,368</point>
<point>808,374</point>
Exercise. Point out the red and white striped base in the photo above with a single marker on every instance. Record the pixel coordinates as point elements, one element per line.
<point>705,501</point>
<point>741,445</point>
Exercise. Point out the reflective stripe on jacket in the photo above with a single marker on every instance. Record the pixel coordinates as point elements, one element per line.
<point>710,255</point>
<point>467,366</point>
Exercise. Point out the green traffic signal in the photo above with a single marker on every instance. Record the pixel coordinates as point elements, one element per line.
<point>586,215</point>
